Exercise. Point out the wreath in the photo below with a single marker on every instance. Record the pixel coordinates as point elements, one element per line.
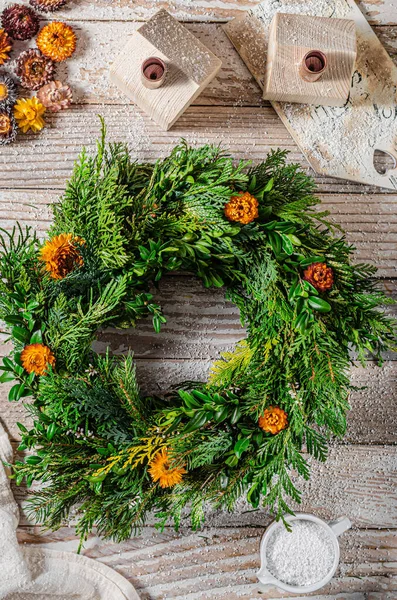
<point>120,227</point>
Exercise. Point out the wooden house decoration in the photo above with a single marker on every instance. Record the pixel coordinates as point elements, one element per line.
<point>163,68</point>
<point>310,59</point>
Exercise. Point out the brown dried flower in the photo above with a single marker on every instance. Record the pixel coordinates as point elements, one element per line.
<point>20,22</point>
<point>48,5</point>
<point>55,96</point>
<point>34,69</point>
<point>242,208</point>
<point>320,276</point>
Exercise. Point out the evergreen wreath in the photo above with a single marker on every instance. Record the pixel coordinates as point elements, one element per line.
<point>120,226</point>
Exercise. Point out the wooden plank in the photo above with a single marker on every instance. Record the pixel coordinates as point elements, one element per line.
<point>45,160</point>
<point>382,12</point>
<point>88,71</point>
<point>222,563</point>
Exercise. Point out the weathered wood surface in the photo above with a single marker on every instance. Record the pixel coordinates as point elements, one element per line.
<point>382,12</point>
<point>99,44</point>
<point>248,133</point>
<point>338,142</point>
<point>221,563</point>
<point>360,478</point>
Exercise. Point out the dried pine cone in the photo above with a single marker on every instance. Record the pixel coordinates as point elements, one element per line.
<point>5,46</point>
<point>320,276</point>
<point>8,92</point>
<point>34,69</point>
<point>47,5</point>
<point>8,128</point>
<point>57,41</point>
<point>20,22</point>
<point>55,96</point>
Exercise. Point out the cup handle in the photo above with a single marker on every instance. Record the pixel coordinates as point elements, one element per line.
<point>266,578</point>
<point>340,525</point>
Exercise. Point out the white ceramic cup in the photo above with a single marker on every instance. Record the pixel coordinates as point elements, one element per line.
<point>333,528</point>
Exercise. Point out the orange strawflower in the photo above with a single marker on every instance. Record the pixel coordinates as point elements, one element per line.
<point>56,41</point>
<point>320,276</point>
<point>61,255</point>
<point>242,208</point>
<point>273,420</point>
<point>160,470</point>
<point>5,46</point>
<point>36,358</point>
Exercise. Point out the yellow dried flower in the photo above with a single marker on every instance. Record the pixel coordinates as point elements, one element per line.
<point>57,41</point>
<point>28,113</point>
<point>160,471</point>
<point>61,255</point>
<point>36,358</point>
<point>242,208</point>
<point>273,420</point>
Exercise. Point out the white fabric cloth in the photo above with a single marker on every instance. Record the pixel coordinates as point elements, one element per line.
<point>35,573</point>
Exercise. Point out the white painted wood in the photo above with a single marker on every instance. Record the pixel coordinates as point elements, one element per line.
<point>190,67</point>
<point>339,142</point>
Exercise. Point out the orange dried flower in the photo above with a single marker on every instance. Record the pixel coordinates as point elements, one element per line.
<point>320,276</point>
<point>57,41</point>
<point>273,420</point>
<point>5,46</point>
<point>242,208</point>
<point>160,470</point>
<point>36,358</point>
<point>61,255</point>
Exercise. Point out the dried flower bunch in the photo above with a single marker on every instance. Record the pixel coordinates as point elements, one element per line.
<point>57,41</point>
<point>281,393</point>
<point>20,22</point>
<point>5,46</point>
<point>35,67</point>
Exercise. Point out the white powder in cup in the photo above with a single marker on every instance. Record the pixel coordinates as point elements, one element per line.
<point>300,557</point>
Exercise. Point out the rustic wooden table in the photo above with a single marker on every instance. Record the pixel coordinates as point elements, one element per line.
<point>359,479</point>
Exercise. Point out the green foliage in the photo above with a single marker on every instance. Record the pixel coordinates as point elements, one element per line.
<point>94,434</point>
